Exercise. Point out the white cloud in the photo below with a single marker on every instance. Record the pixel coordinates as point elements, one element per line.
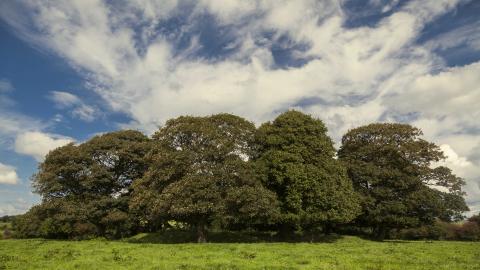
<point>157,85</point>
<point>38,144</point>
<point>64,99</point>
<point>353,76</point>
<point>79,108</point>
<point>465,35</point>
<point>13,123</point>
<point>449,97</point>
<point>8,174</point>
<point>452,157</point>
<point>14,207</point>
<point>464,168</point>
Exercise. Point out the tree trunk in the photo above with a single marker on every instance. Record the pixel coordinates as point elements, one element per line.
<point>201,232</point>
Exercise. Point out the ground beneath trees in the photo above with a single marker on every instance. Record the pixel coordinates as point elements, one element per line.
<point>342,253</point>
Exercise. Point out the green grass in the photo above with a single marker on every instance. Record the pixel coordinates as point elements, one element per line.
<point>343,253</point>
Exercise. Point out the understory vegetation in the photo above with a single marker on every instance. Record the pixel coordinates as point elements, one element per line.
<point>221,173</point>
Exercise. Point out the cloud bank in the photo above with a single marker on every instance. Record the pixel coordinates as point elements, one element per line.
<point>154,60</point>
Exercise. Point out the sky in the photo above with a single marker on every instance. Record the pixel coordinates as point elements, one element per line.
<point>70,69</point>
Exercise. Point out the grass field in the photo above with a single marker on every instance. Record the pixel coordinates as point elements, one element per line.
<point>343,253</point>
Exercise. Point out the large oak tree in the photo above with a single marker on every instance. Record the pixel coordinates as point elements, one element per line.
<point>297,162</point>
<point>392,168</point>
<point>87,186</point>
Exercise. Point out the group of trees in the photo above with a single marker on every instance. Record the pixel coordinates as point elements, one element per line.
<point>220,171</point>
<point>468,231</point>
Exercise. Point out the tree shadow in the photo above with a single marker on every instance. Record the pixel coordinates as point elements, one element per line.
<point>186,236</point>
<point>387,240</point>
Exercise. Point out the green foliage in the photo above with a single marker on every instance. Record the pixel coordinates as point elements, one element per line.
<point>85,188</point>
<point>6,227</point>
<point>220,172</point>
<point>7,218</point>
<point>199,174</point>
<point>391,167</point>
<point>466,231</point>
<point>106,165</point>
<point>475,218</point>
<point>297,162</point>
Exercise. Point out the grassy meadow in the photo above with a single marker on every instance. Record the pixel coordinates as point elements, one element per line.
<point>141,252</point>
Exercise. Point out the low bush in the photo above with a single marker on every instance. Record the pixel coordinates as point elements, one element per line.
<point>466,231</point>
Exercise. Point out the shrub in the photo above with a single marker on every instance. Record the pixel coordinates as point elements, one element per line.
<point>469,231</point>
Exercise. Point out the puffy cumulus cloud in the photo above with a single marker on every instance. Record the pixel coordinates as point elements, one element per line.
<point>153,60</point>
<point>452,157</point>
<point>38,144</point>
<point>8,174</point>
<point>80,110</point>
<point>13,123</point>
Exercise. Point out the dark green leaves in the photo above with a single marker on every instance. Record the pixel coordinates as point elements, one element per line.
<point>200,174</point>
<point>221,171</point>
<point>391,167</point>
<point>297,162</point>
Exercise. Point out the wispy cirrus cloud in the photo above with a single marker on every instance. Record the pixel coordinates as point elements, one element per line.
<point>79,109</point>
<point>465,35</point>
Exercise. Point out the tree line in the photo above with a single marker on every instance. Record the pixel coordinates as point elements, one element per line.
<point>222,172</point>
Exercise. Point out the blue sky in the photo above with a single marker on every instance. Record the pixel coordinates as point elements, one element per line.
<point>72,69</point>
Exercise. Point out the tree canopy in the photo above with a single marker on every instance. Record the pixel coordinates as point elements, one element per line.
<point>392,168</point>
<point>221,172</point>
<point>200,174</point>
<point>86,187</point>
<point>297,162</point>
